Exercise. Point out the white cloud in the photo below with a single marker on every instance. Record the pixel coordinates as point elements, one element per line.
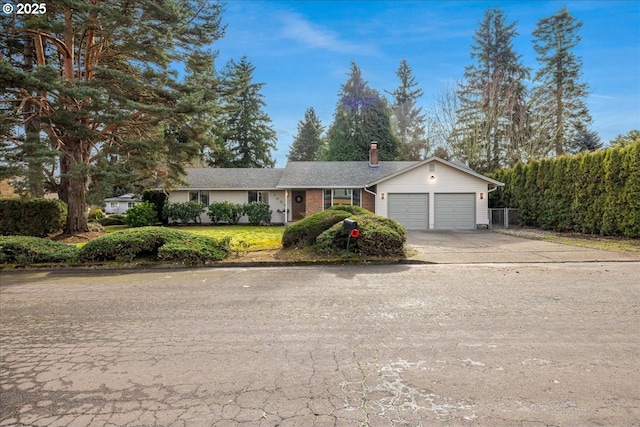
<point>296,27</point>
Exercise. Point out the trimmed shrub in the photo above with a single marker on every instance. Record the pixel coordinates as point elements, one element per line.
<point>156,242</point>
<point>225,212</point>
<point>305,231</point>
<point>379,237</point>
<point>353,210</point>
<point>258,213</point>
<point>115,219</point>
<point>195,249</point>
<point>95,227</point>
<point>32,217</point>
<point>184,212</point>
<point>26,250</point>
<point>141,215</point>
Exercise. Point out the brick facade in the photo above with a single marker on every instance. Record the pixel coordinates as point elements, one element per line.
<point>369,200</point>
<point>315,201</point>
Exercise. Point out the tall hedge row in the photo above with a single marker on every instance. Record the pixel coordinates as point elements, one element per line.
<point>31,217</point>
<point>596,193</point>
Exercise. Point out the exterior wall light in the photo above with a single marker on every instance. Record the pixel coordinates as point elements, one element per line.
<point>382,196</point>
<point>481,196</point>
<point>432,177</point>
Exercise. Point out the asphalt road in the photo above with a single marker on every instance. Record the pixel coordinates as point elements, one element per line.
<point>424,345</point>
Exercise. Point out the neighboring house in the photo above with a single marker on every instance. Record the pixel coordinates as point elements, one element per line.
<point>120,204</point>
<point>430,194</point>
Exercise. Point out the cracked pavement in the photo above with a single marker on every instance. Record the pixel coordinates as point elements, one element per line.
<point>430,345</point>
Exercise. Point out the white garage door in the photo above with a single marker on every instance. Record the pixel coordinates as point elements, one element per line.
<point>410,210</point>
<point>455,211</point>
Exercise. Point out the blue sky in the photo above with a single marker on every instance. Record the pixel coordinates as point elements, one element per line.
<point>302,51</point>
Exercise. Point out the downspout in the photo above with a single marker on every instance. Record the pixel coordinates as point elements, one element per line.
<point>286,206</point>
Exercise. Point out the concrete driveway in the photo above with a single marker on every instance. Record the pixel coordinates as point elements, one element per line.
<point>485,246</point>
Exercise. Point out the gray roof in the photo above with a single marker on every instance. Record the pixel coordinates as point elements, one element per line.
<point>231,178</point>
<point>308,175</point>
<point>123,198</point>
<point>337,174</point>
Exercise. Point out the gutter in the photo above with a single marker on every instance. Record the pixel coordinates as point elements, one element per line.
<point>371,192</point>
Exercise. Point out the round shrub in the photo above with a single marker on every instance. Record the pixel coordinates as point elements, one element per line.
<point>305,231</point>
<point>379,237</point>
<point>141,215</point>
<point>32,217</point>
<point>95,227</point>
<point>155,242</point>
<point>257,213</point>
<point>183,212</point>
<point>25,250</point>
<point>226,211</point>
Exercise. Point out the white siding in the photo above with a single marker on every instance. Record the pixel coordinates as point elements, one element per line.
<point>276,202</point>
<point>445,180</point>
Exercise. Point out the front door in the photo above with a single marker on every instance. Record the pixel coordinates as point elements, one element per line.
<point>298,205</point>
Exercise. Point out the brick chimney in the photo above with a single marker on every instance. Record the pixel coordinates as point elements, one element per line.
<point>373,155</point>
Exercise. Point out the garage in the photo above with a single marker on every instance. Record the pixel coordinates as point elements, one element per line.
<point>409,209</point>
<point>455,211</point>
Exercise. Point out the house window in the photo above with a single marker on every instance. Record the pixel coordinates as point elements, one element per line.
<point>341,196</point>
<point>113,205</point>
<point>259,196</point>
<point>199,196</point>
<point>130,204</point>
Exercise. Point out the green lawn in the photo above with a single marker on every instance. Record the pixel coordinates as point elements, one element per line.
<point>245,238</point>
<point>255,238</point>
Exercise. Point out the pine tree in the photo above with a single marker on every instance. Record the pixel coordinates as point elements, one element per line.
<point>407,120</point>
<point>244,131</point>
<point>102,80</point>
<point>631,137</point>
<point>492,99</point>
<point>361,116</point>
<point>308,141</point>
<point>558,89</point>
<point>586,140</point>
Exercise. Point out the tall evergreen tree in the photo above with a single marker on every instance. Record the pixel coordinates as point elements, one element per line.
<point>629,138</point>
<point>587,140</point>
<point>102,80</point>
<point>558,87</point>
<point>407,120</point>
<point>308,141</point>
<point>492,99</point>
<point>246,137</point>
<point>361,116</point>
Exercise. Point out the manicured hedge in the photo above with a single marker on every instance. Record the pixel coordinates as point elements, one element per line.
<point>354,210</point>
<point>305,231</point>
<point>379,237</point>
<point>597,193</point>
<point>157,243</point>
<point>32,217</point>
<point>26,250</point>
